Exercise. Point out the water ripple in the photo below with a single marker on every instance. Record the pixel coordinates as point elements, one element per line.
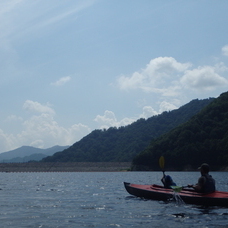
<point>63,200</point>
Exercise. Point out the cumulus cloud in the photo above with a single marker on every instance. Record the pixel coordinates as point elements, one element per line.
<point>163,66</point>
<point>7,141</point>
<point>203,78</point>
<point>14,118</point>
<point>62,81</point>
<point>169,78</point>
<point>155,77</point>
<point>41,130</point>
<point>109,119</point>
<point>34,106</point>
<point>166,106</point>
<point>225,50</point>
<point>148,111</point>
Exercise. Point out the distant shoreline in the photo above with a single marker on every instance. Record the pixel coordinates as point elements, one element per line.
<point>65,167</point>
<point>74,167</point>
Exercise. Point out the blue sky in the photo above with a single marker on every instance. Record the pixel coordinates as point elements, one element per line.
<point>69,67</point>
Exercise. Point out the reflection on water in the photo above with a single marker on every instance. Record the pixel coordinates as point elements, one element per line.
<point>99,200</point>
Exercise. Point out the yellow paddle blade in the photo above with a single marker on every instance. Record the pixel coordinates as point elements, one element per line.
<point>162,162</point>
<point>176,188</point>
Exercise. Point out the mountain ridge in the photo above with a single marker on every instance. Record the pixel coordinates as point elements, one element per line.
<point>124,143</point>
<point>27,153</point>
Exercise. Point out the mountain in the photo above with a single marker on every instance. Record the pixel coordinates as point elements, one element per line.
<point>124,143</point>
<point>27,153</point>
<point>204,138</point>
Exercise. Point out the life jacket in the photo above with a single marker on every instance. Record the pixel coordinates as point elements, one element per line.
<point>209,185</point>
<point>168,182</point>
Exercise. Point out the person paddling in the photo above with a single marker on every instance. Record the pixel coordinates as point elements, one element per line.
<point>206,184</point>
<point>167,181</point>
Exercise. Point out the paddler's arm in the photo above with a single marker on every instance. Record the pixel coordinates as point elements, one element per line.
<point>163,179</point>
<point>199,186</point>
<point>196,187</point>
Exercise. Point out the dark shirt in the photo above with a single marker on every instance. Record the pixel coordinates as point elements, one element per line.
<point>206,183</point>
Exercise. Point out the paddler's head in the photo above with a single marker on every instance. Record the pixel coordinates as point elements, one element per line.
<point>204,168</point>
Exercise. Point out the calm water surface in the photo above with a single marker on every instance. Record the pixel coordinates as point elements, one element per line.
<point>99,200</point>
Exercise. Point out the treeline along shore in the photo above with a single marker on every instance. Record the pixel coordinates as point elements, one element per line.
<point>65,167</point>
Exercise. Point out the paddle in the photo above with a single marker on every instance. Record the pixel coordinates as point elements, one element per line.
<point>162,164</point>
<point>178,188</point>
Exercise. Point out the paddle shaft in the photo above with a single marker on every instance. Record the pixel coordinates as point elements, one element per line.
<point>162,164</point>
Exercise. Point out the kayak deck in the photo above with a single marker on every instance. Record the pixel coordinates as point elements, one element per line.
<point>157,192</point>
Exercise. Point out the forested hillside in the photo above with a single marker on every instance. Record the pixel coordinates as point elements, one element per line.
<point>124,143</point>
<point>204,138</point>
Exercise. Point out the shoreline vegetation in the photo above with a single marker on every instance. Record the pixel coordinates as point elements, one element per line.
<point>78,167</point>
<point>65,167</point>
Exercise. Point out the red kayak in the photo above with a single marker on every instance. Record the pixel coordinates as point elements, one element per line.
<point>189,196</point>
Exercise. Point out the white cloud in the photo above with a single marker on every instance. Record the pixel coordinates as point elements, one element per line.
<point>148,111</point>
<point>166,106</point>
<point>204,78</point>
<point>24,18</point>
<point>225,50</point>
<point>168,78</point>
<point>37,107</point>
<point>109,119</point>
<point>155,77</point>
<point>62,81</point>
<point>133,82</point>
<point>163,66</point>
<point>63,15</point>
<point>7,141</point>
<point>14,118</point>
<point>41,130</point>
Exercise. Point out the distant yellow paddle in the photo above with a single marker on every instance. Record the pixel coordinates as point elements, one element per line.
<point>162,163</point>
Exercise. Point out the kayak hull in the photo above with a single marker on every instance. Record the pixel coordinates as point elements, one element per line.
<point>157,192</point>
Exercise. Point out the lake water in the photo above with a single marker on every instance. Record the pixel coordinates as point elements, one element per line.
<point>99,199</point>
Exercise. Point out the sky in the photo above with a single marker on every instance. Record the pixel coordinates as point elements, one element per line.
<point>70,67</point>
